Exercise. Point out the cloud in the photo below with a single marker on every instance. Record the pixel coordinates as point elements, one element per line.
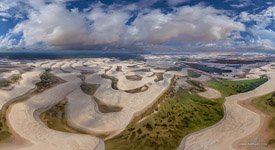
<point>175,2</point>
<point>262,27</point>
<point>4,20</point>
<point>5,15</point>
<point>56,26</point>
<point>240,3</point>
<point>185,24</point>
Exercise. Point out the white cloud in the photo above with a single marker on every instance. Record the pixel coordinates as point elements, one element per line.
<point>263,35</point>
<point>187,24</point>
<point>240,3</point>
<point>175,2</point>
<point>6,15</point>
<point>4,20</point>
<point>7,42</point>
<point>54,25</point>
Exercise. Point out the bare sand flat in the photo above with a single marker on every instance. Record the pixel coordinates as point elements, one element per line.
<point>237,123</point>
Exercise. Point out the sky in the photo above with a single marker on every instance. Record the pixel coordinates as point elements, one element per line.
<point>137,24</point>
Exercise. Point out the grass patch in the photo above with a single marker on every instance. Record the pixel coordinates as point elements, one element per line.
<point>55,119</point>
<point>4,83</point>
<point>266,104</point>
<point>197,86</point>
<point>177,117</point>
<point>138,90</point>
<point>47,81</point>
<point>193,74</point>
<point>11,80</point>
<point>159,77</point>
<point>4,129</point>
<point>227,87</point>
<point>119,68</point>
<point>89,89</point>
<point>134,77</point>
<point>142,70</point>
<point>15,78</point>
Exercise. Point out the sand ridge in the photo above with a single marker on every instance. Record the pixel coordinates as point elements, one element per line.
<point>237,123</point>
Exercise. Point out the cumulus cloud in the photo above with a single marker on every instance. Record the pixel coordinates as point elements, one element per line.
<point>50,23</point>
<point>186,24</point>
<point>54,25</point>
<point>263,26</point>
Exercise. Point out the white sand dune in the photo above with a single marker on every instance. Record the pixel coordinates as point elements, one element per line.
<point>56,67</point>
<point>24,120</point>
<point>106,94</point>
<point>79,65</point>
<point>66,67</point>
<point>6,75</point>
<point>91,120</point>
<point>82,110</point>
<point>82,113</point>
<point>125,84</point>
<point>237,123</point>
<point>48,65</point>
<point>25,85</point>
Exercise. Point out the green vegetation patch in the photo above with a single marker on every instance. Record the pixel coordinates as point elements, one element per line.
<point>185,113</point>
<point>138,90</point>
<point>4,83</point>
<point>159,77</point>
<point>227,87</point>
<point>11,80</point>
<point>142,70</point>
<point>5,133</point>
<point>119,68</point>
<point>55,119</point>
<point>89,89</point>
<point>134,77</point>
<point>193,74</point>
<point>47,81</point>
<point>4,129</point>
<point>197,86</point>
<point>266,104</point>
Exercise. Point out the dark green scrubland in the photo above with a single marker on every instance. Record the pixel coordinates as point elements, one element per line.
<point>55,119</point>
<point>227,87</point>
<point>47,81</point>
<point>266,104</point>
<point>177,116</point>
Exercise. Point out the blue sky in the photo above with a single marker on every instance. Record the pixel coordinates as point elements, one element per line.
<point>137,24</point>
